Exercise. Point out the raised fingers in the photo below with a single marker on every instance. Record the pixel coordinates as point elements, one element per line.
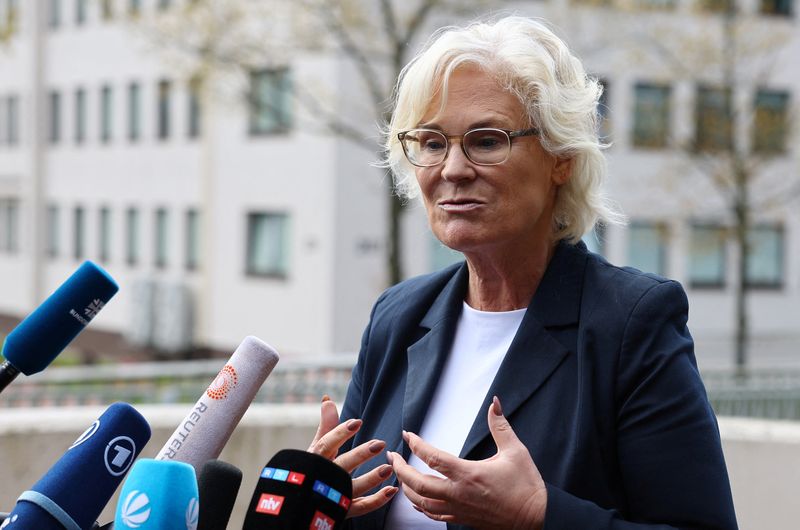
<point>328,419</point>
<point>367,481</point>
<point>372,502</point>
<point>358,455</point>
<point>416,484</point>
<point>436,459</point>
<point>328,445</point>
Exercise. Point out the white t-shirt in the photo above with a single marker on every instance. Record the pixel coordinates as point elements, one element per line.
<point>481,341</point>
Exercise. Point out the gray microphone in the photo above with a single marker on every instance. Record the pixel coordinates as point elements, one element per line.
<point>203,433</point>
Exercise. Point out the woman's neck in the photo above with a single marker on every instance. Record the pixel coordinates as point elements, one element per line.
<point>506,281</point>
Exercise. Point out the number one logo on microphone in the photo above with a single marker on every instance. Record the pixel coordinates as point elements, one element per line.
<point>119,455</point>
<point>224,383</point>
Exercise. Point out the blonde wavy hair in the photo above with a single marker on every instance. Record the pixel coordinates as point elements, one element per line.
<point>561,100</point>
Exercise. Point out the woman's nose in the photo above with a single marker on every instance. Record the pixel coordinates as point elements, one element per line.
<point>457,167</point>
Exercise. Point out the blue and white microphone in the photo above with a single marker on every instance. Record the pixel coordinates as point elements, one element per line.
<point>73,493</point>
<point>38,339</point>
<point>159,495</point>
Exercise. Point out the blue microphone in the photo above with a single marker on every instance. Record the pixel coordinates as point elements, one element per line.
<point>38,339</point>
<point>159,495</point>
<point>73,493</point>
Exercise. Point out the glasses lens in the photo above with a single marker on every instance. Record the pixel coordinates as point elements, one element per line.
<point>487,146</point>
<point>424,147</point>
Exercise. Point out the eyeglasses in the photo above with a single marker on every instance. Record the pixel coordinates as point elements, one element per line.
<point>484,147</point>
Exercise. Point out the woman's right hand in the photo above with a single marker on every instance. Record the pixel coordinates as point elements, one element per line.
<point>330,436</point>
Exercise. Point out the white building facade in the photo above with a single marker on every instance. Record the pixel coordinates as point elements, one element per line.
<point>226,219</point>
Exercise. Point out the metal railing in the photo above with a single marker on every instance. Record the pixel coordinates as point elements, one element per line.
<point>763,393</point>
<point>292,381</point>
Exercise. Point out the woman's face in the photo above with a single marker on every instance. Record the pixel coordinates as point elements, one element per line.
<point>481,209</point>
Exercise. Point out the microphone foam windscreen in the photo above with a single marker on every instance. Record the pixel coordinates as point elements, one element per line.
<point>218,483</point>
<point>298,489</point>
<point>206,429</point>
<point>159,495</point>
<point>73,493</point>
<point>38,339</point>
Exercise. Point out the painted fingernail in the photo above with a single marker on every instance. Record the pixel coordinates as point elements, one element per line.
<point>390,492</point>
<point>325,397</point>
<point>385,471</point>
<point>405,436</point>
<point>496,408</point>
<point>353,425</point>
<point>417,508</point>
<point>376,446</point>
<point>389,456</point>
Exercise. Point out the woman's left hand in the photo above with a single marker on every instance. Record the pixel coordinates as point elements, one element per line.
<point>503,491</point>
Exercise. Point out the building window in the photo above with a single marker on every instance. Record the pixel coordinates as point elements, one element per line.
<point>79,232</point>
<point>80,12</point>
<point>161,238</point>
<point>192,239</point>
<point>647,247</point>
<point>651,115</point>
<point>54,120</point>
<point>270,101</point>
<point>9,225</point>
<point>713,119</point>
<point>132,236</point>
<point>765,256</point>
<point>12,120</point>
<point>51,246</point>
<point>267,244</point>
<point>80,115</point>
<point>106,9</point>
<point>54,14</point>
<point>770,123</point>
<point>134,8</point>
<point>441,255</point>
<point>656,4</point>
<point>104,234</point>
<point>717,6</point>
<point>164,88</point>
<point>194,108</point>
<point>106,110</point>
<point>9,22</point>
<point>603,112</point>
<point>134,112</point>
<point>776,7</point>
<point>707,256</point>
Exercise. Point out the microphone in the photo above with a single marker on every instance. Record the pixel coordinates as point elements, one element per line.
<point>38,339</point>
<point>206,429</point>
<point>73,493</point>
<point>297,489</point>
<point>218,484</point>
<point>158,495</point>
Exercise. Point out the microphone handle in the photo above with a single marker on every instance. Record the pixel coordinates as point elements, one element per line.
<point>95,526</point>
<point>8,372</point>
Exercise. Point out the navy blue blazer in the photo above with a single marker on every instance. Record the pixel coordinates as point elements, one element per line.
<point>600,383</point>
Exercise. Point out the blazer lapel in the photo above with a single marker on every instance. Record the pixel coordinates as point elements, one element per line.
<point>427,356</point>
<point>534,353</point>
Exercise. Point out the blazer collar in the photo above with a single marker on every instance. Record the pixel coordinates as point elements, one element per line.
<point>533,355</point>
<point>427,356</point>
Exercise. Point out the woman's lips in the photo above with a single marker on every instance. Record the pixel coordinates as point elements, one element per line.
<point>459,205</point>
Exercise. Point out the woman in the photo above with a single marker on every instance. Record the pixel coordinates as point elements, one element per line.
<point>535,385</point>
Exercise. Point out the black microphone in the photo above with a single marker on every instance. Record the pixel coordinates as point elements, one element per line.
<point>75,490</point>
<point>298,489</point>
<point>218,483</point>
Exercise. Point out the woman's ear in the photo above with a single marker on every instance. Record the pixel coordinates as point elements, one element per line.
<point>562,170</point>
